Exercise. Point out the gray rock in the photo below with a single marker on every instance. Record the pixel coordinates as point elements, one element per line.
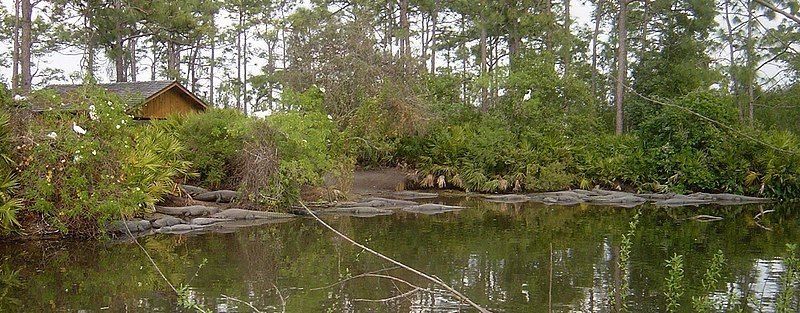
<point>432,208</point>
<point>506,198</point>
<point>167,221</point>
<point>193,210</point>
<point>241,214</point>
<point>207,220</point>
<point>217,196</point>
<point>193,190</point>
<point>356,211</point>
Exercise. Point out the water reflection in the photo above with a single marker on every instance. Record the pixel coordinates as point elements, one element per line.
<point>507,257</point>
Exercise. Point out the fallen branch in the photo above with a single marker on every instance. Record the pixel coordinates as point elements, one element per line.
<point>410,269</point>
<point>240,301</point>
<point>405,294</point>
<point>706,218</point>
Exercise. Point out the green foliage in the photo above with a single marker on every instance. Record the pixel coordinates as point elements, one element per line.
<point>213,140</point>
<point>674,282</point>
<point>309,147</point>
<point>8,204</point>
<point>624,258</point>
<point>710,281</point>
<point>81,167</point>
<point>269,160</point>
<point>789,280</point>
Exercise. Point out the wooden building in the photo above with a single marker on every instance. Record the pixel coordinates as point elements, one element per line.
<point>149,99</point>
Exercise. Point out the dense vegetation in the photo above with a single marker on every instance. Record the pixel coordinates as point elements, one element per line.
<point>512,96</point>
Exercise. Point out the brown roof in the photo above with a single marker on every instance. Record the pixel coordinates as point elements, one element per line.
<point>134,93</point>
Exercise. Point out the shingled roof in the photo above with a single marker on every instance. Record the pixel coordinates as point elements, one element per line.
<point>133,93</point>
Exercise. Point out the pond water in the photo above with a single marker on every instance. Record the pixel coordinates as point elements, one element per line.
<point>507,257</point>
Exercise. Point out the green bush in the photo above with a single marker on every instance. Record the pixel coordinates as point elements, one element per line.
<point>213,140</point>
<point>9,205</point>
<point>82,167</point>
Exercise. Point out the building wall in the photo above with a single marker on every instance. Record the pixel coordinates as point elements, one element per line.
<point>170,102</point>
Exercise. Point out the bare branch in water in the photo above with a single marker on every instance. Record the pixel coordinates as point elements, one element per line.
<point>410,269</point>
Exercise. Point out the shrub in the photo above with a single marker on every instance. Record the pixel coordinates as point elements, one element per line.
<point>213,140</point>
<point>92,163</point>
<point>9,205</point>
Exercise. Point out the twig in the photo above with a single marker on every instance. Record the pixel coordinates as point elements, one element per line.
<point>354,277</point>
<point>410,269</point>
<point>757,219</point>
<point>240,301</point>
<point>706,218</point>
<point>125,222</point>
<point>405,294</point>
<point>283,301</point>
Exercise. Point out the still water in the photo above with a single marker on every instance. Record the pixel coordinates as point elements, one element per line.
<point>507,257</point>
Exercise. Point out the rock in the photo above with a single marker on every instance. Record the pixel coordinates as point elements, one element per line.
<point>380,203</point>
<point>207,220</point>
<point>134,226</point>
<point>506,198</point>
<point>193,210</point>
<point>413,195</point>
<point>217,196</point>
<point>241,214</point>
<point>167,221</point>
<point>193,190</point>
<point>432,208</point>
<point>356,211</point>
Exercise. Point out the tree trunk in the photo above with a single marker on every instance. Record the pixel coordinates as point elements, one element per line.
<point>212,64</point>
<point>513,33</point>
<point>133,60</point>
<point>734,88</point>
<point>645,30</point>
<point>15,79</point>
<point>566,55</point>
<point>598,16</point>
<point>25,47</point>
<point>406,46</point>
<point>89,54</point>
<point>119,49</point>
<point>751,75</point>
<point>244,72</point>
<point>482,60</point>
<point>622,59</point>
<point>239,59</point>
<point>155,61</point>
<point>435,18</point>
<point>173,57</point>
